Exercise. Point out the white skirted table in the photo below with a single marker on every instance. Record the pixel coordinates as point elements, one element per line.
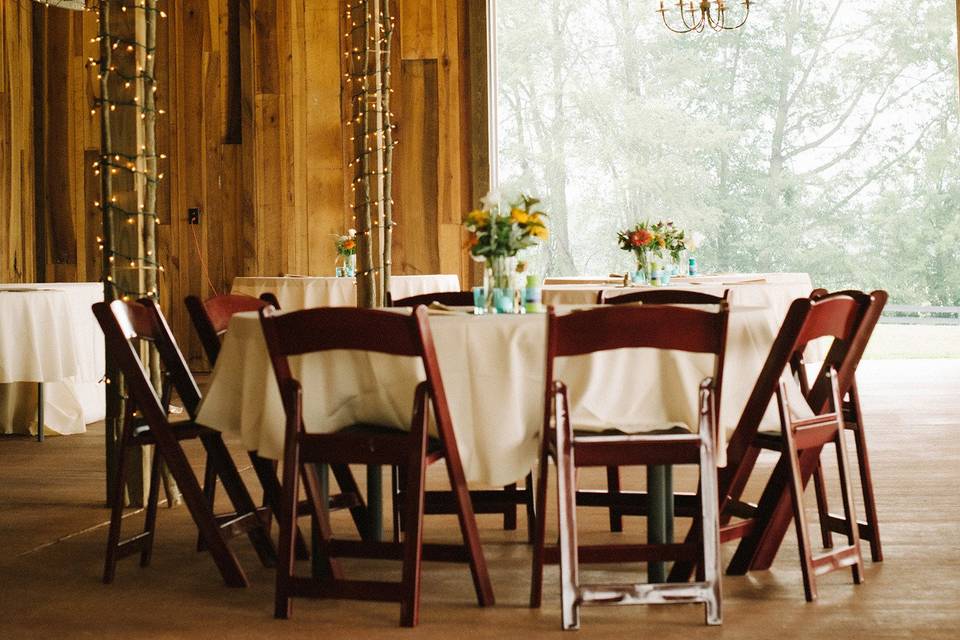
<point>773,290</point>
<point>493,373</point>
<point>302,292</point>
<point>51,346</point>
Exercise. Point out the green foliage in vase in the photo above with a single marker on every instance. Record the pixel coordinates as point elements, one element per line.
<point>495,235</point>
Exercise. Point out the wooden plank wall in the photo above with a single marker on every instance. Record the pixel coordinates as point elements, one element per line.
<point>273,189</point>
<point>16,144</point>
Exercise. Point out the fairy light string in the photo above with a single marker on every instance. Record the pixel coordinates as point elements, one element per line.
<point>369,26</point>
<point>125,75</point>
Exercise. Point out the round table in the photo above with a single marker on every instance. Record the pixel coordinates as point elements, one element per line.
<point>39,345</point>
<point>493,374</point>
<point>297,292</point>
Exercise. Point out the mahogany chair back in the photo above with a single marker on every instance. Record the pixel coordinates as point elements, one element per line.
<point>332,328</point>
<point>212,316</point>
<point>617,327</point>
<point>447,298</point>
<point>661,296</point>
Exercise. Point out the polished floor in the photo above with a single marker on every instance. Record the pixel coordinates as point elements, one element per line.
<point>52,534</point>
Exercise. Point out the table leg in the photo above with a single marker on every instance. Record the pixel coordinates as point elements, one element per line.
<point>40,403</point>
<point>660,518</point>
<point>375,502</point>
<point>318,568</point>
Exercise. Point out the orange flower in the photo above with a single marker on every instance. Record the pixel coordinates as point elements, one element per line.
<point>349,244</point>
<point>640,238</point>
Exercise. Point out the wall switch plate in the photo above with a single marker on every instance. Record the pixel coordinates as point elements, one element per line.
<point>193,215</point>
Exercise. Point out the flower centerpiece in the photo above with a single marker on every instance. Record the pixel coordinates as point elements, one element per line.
<point>346,264</point>
<point>653,244</point>
<point>497,237</point>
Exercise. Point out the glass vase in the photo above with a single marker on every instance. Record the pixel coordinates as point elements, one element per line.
<point>498,283</point>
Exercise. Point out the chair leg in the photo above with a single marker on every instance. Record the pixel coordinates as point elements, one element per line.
<point>540,526</point>
<point>266,471</point>
<point>116,509</point>
<point>567,511</point>
<point>510,511</point>
<point>395,501</point>
<point>287,525</point>
<point>866,477</point>
<point>413,534</point>
<point>224,468</point>
<point>849,511</point>
<point>613,488</point>
<point>202,515</point>
<point>823,506</point>
<point>150,523</point>
<point>528,501</point>
<point>209,492</point>
<point>800,518</point>
<point>708,525</point>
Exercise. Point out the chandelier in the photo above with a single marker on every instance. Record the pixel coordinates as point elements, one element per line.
<point>713,13</point>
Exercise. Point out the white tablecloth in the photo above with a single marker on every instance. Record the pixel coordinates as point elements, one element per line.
<point>773,290</point>
<point>295,292</point>
<point>53,337</point>
<point>493,373</point>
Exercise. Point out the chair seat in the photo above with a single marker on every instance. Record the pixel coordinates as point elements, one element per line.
<point>678,429</point>
<point>364,429</point>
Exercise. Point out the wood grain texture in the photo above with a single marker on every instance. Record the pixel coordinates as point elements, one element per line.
<point>17,253</point>
<point>271,193</point>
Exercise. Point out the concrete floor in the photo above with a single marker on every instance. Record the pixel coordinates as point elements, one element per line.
<point>52,535</point>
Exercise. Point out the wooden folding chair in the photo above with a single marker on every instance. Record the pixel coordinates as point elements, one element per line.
<point>869,528</point>
<point>489,501</point>
<point>653,326</point>
<point>122,324</point>
<point>323,329</point>
<point>660,296</point>
<point>614,495</point>
<point>838,318</point>
<point>210,319</point>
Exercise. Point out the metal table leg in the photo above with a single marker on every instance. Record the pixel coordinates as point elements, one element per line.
<point>40,403</point>
<point>660,519</point>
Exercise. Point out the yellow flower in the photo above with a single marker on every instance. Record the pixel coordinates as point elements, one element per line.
<point>519,216</point>
<point>535,218</point>
<point>539,231</point>
<point>478,218</point>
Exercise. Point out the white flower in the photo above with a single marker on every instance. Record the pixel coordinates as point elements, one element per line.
<point>491,200</point>
<point>351,232</point>
<point>694,241</point>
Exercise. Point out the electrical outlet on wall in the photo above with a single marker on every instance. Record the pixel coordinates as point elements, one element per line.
<point>193,215</point>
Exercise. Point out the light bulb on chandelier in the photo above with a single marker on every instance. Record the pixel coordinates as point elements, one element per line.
<point>712,13</point>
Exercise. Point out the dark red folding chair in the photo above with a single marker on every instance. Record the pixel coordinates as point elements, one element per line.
<point>869,527</point>
<point>489,501</point>
<point>838,318</point>
<point>211,318</point>
<point>315,330</point>
<point>614,494</point>
<point>125,325</point>
<point>585,332</point>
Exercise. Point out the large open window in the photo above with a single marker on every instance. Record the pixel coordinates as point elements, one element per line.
<point>820,137</point>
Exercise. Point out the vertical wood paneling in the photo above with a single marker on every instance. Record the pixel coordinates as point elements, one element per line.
<point>272,196</point>
<point>17,253</point>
